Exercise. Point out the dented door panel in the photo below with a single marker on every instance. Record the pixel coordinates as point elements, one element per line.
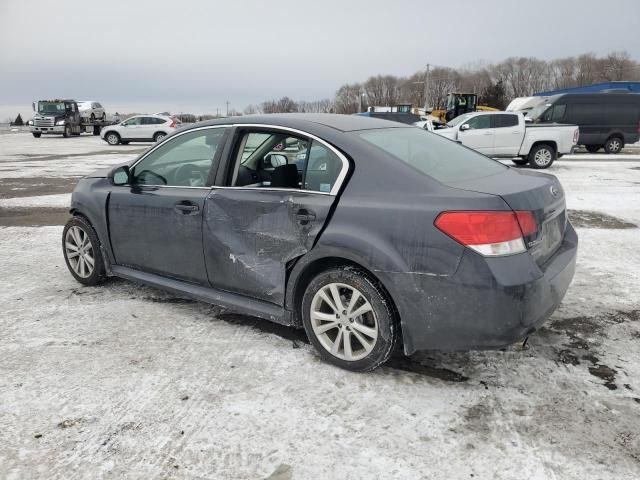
<point>250,235</point>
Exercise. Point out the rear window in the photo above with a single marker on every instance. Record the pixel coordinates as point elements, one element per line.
<point>440,158</point>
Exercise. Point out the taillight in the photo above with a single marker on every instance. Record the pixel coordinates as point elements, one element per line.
<point>576,135</point>
<point>173,123</point>
<point>489,233</point>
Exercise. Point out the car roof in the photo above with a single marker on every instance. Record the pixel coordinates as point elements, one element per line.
<point>344,123</point>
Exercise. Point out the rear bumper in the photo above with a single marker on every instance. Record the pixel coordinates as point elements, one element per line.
<point>487,303</point>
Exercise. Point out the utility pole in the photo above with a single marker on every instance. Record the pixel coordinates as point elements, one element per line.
<point>227,108</point>
<point>426,88</point>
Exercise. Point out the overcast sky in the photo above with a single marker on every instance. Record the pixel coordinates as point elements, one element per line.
<point>194,55</point>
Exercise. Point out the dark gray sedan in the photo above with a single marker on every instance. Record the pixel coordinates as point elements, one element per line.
<point>365,232</point>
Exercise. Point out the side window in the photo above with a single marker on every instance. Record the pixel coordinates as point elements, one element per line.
<point>281,160</point>
<point>323,168</point>
<point>479,122</point>
<point>157,121</point>
<point>557,115</point>
<point>132,121</point>
<point>502,121</point>
<point>184,161</point>
<point>148,121</point>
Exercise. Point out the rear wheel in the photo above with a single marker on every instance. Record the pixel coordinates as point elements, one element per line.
<point>593,148</point>
<point>349,319</point>
<point>93,118</point>
<point>614,145</point>
<point>81,249</point>
<point>67,131</point>
<point>159,136</point>
<point>542,156</point>
<point>112,138</point>
<point>36,134</point>
<point>520,161</point>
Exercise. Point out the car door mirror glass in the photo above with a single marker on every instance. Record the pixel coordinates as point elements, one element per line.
<point>120,175</point>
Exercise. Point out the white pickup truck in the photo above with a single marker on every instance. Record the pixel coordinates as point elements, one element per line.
<point>506,135</point>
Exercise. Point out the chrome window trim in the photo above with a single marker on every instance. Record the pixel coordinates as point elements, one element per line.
<point>334,191</point>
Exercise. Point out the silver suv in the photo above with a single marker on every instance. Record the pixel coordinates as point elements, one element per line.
<point>92,111</point>
<point>141,128</point>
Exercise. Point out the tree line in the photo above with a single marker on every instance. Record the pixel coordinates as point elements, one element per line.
<point>495,84</point>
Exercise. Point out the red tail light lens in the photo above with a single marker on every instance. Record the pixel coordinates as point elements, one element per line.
<point>488,233</point>
<point>576,135</point>
<point>527,223</point>
<point>173,123</point>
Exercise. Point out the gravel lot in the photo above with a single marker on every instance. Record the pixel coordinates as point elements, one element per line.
<point>127,381</point>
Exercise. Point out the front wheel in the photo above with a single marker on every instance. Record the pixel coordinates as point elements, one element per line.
<point>349,319</point>
<point>614,145</point>
<point>542,156</point>
<point>112,138</point>
<point>81,249</point>
<point>520,161</point>
<point>36,134</point>
<point>67,131</point>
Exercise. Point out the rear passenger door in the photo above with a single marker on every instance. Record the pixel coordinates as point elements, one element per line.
<point>268,209</point>
<point>508,134</point>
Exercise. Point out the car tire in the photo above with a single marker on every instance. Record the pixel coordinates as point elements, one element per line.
<point>67,131</point>
<point>159,136</point>
<point>541,156</point>
<point>593,148</point>
<point>614,145</point>
<point>93,118</point>
<point>520,161</point>
<point>80,247</point>
<point>372,333</point>
<point>112,138</point>
<point>36,134</point>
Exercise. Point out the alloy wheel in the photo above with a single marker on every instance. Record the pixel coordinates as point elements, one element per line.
<point>543,157</point>
<point>79,252</point>
<point>343,321</point>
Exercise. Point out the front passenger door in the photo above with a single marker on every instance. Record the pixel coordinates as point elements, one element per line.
<point>478,134</point>
<point>155,222</point>
<point>131,128</point>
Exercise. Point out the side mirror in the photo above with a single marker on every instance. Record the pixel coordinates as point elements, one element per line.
<point>120,175</point>
<point>464,127</point>
<point>33,106</point>
<point>528,120</point>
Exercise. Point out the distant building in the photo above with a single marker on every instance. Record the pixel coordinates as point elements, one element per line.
<point>604,87</point>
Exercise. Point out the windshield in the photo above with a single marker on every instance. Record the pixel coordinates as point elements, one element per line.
<point>50,107</point>
<point>458,120</point>
<point>440,158</point>
<point>536,112</point>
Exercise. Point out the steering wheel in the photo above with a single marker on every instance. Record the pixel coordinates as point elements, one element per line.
<point>144,173</point>
<point>184,175</point>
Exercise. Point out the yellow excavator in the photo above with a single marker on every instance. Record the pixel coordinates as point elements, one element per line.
<point>458,104</point>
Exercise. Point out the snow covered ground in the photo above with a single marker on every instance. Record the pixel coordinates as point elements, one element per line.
<point>127,381</point>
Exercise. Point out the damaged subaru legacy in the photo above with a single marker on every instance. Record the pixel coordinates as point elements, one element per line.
<point>369,234</point>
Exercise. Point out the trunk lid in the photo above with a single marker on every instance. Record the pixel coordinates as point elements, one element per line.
<point>539,193</point>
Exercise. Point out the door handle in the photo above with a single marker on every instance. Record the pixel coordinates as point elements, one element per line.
<point>186,208</point>
<point>305,216</point>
